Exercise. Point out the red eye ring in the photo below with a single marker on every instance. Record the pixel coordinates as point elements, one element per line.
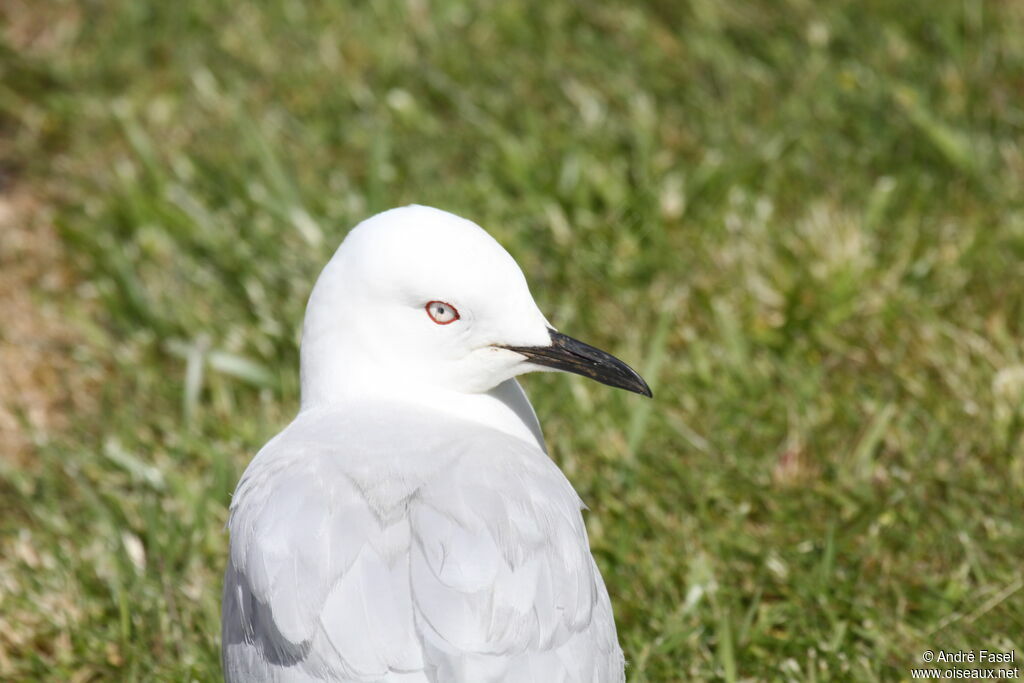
<point>442,312</point>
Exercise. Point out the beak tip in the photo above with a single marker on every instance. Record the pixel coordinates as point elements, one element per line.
<point>641,388</point>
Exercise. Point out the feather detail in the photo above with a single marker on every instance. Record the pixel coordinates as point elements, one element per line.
<point>473,566</point>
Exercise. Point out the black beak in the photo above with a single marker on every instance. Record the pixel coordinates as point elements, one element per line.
<point>571,355</point>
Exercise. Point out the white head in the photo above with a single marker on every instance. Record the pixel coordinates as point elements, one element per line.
<point>418,297</point>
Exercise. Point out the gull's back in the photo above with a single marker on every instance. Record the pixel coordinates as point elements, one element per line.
<point>372,543</point>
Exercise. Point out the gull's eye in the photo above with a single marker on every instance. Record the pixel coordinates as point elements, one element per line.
<point>442,313</point>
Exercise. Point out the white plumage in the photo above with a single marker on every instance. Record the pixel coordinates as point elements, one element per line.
<point>408,525</point>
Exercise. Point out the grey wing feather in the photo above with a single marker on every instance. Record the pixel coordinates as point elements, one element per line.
<point>474,568</point>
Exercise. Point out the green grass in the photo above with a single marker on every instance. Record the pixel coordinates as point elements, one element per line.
<point>803,222</point>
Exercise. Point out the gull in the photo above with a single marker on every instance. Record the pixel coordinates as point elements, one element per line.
<point>408,526</point>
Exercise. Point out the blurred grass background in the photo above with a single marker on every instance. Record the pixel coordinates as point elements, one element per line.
<point>802,222</point>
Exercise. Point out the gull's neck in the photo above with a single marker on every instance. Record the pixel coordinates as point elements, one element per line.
<point>504,408</point>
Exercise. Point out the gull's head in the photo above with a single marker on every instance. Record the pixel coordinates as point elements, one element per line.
<point>418,298</point>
